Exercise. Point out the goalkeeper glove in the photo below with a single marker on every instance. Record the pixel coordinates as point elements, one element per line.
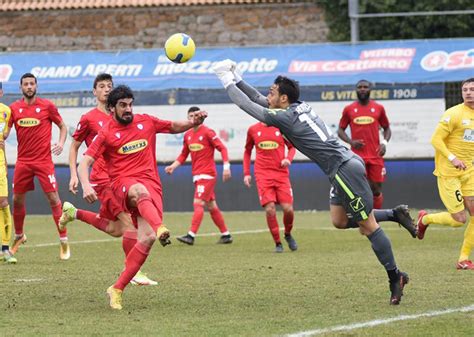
<point>223,70</point>
<point>237,74</point>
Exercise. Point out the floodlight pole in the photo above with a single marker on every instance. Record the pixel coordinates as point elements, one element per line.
<point>354,18</point>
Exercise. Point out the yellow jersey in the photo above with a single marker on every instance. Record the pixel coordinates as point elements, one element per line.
<point>454,135</point>
<point>5,114</point>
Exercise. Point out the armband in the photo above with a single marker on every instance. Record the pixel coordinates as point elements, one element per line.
<point>451,157</point>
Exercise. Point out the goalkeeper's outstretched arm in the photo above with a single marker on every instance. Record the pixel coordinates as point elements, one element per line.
<point>243,101</point>
<point>252,93</point>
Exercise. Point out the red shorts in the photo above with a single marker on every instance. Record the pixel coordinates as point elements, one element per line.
<point>274,190</point>
<point>120,189</point>
<point>110,207</point>
<point>23,177</point>
<point>375,169</point>
<point>204,189</point>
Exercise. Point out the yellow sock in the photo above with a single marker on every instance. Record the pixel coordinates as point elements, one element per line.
<point>6,229</point>
<point>443,218</point>
<point>468,242</point>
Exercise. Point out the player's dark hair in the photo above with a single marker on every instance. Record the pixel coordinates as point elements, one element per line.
<point>469,80</point>
<point>120,92</point>
<point>27,75</point>
<point>193,109</point>
<point>102,77</point>
<point>364,81</point>
<point>288,87</point>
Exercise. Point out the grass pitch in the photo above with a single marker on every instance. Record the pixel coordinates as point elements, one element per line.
<point>242,289</point>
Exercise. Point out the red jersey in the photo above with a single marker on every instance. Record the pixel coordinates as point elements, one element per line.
<point>365,122</point>
<point>270,146</point>
<point>202,143</point>
<point>88,127</point>
<point>129,150</point>
<point>33,128</point>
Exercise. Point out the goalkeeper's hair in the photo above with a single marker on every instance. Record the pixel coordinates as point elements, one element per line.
<point>102,77</point>
<point>120,92</point>
<point>469,80</point>
<point>288,87</point>
<point>193,109</point>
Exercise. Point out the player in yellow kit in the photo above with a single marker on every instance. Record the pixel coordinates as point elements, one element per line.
<point>453,141</point>
<point>5,215</point>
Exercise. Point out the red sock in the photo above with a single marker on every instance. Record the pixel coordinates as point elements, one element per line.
<point>288,221</point>
<point>135,259</point>
<point>378,201</point>
<point>129,240</point>
<point>272,223</point>
<point>57,211</point>
<point>218,219</point>
<point>197,217</point>
<point>19,213</point>
<point>148,211</point>
<point>92,219</point>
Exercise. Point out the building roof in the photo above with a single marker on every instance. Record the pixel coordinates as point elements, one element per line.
<point>25,5</point>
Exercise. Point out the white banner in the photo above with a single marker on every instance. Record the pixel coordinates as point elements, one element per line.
<point>412,124</point>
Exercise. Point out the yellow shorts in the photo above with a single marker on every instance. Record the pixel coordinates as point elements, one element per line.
<point>3,182</point>
<point>452,191</point>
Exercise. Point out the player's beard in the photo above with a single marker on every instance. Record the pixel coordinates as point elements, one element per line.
<point>29,95</point>
<point>124,121</point>
<point>363,96</point>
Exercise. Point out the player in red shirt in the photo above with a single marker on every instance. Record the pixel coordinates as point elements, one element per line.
<point>201,142</point>
<point>272,178</point>
<point>111,219</point>
<point>128,145</point>
<point>365,118</point>
<point>33,117</point>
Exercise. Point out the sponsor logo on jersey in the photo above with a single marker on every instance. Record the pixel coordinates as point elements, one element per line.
<point>28,122</point>
<point>362,120</point>
<point>268,145</point>
<point>468,136</point>
<point>195,147</point>
<point>134,146</point>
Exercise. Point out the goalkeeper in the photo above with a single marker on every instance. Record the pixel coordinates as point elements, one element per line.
<point>351,202</point>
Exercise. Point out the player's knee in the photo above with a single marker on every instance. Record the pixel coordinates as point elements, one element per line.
<point>149,239</point>
<point>3,202</point>
<point>211,205</point>
<point>287,208</point>
<point>137,190</point>
<point>339,224</point>
<point>270,209</point>
<point>460,218</point>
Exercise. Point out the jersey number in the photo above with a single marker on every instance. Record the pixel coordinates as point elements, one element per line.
<point>458,195</point>
<point>52,178</point>
<point>304,118</point>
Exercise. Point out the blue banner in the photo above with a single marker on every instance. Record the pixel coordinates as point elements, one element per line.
<point>410,61</point>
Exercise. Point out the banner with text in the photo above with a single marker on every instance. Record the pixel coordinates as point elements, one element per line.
<point>409,61</point>
<point>413,111</point>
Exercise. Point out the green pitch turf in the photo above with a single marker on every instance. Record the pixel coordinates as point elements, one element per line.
<point>242,289</point>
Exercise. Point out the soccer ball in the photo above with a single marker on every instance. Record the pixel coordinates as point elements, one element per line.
<point>179,48</point>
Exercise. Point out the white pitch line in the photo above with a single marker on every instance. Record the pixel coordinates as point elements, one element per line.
<point>377,322</point>
<point>254,231</point>
<point>40,245</point>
